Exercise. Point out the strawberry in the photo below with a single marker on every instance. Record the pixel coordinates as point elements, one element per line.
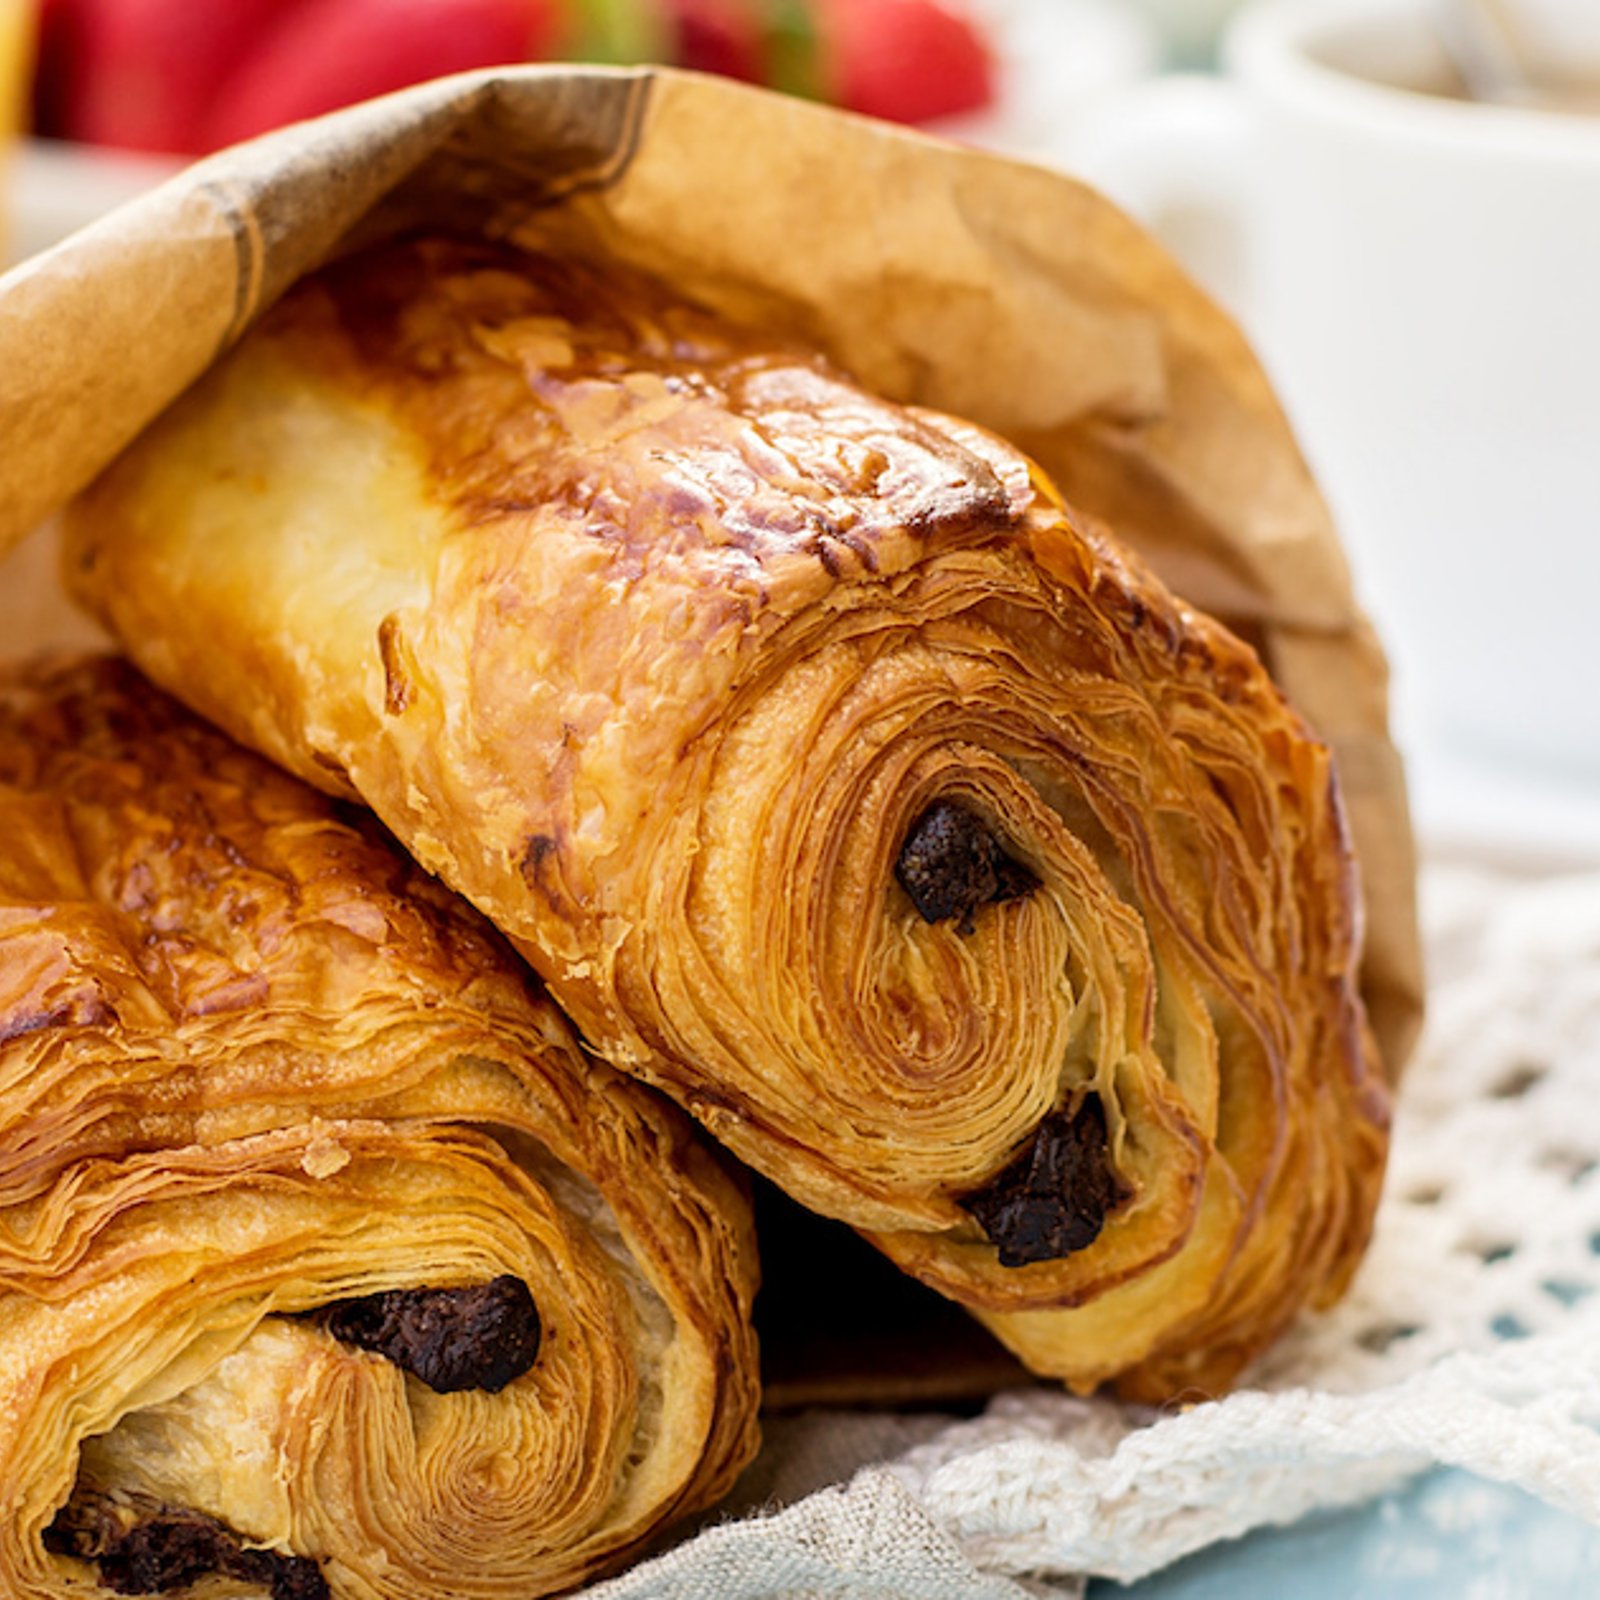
<point>794,54</point>
<point>54,43</point>
<point>140,73</point>
<point>759,41</point>
<point>616,31</point>
<point>330,53</point>
<point>907,60</point>
<point>721,36</point>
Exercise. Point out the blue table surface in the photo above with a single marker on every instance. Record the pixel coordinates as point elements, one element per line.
<point>1449,1536</point>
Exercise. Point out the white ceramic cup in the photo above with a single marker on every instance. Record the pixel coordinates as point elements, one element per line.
<point>1423,276</point>
<point>1190,29</point>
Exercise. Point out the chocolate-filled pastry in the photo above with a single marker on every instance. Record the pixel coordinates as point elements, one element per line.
<point>839,779</point>
<point>331,1268</point>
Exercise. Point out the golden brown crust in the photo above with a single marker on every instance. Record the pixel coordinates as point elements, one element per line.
<point>255,1061</point>
<point>656,638</point>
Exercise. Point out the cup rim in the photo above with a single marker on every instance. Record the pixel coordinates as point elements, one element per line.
<point>1265,47</point>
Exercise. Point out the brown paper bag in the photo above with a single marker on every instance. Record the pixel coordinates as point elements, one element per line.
<point>994,290</point>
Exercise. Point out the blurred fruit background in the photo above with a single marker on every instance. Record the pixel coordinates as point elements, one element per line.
<point>15,34</point>
<point>184,77</point>
<point>124,92</point>
<point>16,37</point>
<point>16,18</point>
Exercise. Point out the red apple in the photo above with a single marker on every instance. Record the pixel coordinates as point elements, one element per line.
<point>141,73</point>
<point>907,60</point>
<point>331,53</point>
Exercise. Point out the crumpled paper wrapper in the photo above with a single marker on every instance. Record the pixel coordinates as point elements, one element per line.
<point>998,291</point>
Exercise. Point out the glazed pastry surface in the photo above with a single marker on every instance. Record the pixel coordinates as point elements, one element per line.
<point>329,1264</point>
<point>838,778</point>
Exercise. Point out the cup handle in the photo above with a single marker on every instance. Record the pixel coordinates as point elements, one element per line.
<point>1176,151</point>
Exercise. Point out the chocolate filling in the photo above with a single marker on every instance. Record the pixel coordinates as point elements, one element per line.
<point>951,863</point>
<point>1053,1198</point>
<point>476,1338</point>
<point>171,1549</point>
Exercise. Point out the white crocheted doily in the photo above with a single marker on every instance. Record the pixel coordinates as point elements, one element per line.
<point>1471,1337</point>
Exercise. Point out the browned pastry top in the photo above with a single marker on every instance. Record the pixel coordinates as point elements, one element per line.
<point>838,777</point>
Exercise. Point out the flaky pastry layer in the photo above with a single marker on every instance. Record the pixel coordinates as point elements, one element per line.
<point>838,778</point>
<point>256,1069</point>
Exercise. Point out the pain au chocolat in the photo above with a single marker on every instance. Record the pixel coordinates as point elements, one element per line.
<point>839,779</point>
<point>330,1267</point>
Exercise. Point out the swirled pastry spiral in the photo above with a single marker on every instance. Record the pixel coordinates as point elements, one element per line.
<point>329,1265</point>
<point>839,779</point>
